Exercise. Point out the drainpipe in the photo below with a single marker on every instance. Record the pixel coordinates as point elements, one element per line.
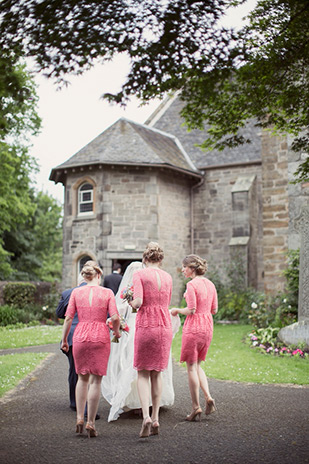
<point>199,184</point>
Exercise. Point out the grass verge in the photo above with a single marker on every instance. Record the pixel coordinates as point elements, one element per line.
<point>29,336</point>
<point>15,367</point>
<point>229,358</point>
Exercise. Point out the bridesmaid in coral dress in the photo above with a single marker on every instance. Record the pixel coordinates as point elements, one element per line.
<point>153,333</point>
<point>201,298</point>
<point>91,341</point>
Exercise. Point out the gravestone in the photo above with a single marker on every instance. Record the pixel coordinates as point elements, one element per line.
<point>299,332</point>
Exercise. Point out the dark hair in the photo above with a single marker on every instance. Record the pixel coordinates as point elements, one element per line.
<point>90,270</point>
<point>153,253</point>
<point>116,266</point>
<point>195,262</point>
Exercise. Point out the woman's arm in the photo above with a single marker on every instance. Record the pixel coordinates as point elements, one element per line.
<point>137,303</point>
<point>65,332</point>
<point>116,324</point>
<point>184,311</point>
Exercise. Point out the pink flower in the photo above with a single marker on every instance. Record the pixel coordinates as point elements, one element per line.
<point>298,351</point>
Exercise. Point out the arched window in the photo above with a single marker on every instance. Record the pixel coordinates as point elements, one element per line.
<point>83,261</point>
<point>85,199</point>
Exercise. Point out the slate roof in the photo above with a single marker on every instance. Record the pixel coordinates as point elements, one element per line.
<point>125,143</point>
<point>167,116</point>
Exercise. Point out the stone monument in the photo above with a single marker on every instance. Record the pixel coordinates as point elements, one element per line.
<point>299,332</point>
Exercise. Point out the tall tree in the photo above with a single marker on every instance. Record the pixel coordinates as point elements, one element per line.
<point>35,246</point>
<point>225,77</point>
<point>18,119</point>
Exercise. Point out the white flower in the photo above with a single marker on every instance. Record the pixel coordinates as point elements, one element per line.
<point>284,301</point>
<point>44,308</point>
<point>254,305</point>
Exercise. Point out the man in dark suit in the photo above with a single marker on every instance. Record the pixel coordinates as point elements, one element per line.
<point>113,280</point>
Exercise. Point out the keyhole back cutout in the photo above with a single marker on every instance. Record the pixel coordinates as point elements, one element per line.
<point>158,280</point>
<point>90,297</point>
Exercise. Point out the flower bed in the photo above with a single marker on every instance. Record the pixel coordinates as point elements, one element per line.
<point>266,341</point>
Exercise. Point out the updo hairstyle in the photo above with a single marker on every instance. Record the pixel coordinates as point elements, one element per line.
<point>90,270</point>
<point>153,253</point>
<point>196,263</point>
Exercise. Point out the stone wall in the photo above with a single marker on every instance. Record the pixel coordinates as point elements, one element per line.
<point>214,218</point>
<point>298,196</point>
<point>132,207</point>
<point>275,210</point>
<point>174,225</point>
<point>81,235</point>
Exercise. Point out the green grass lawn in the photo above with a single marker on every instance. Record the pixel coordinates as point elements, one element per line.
<point>15,367</point>
<point>30,336</point>
<point>229,358</point>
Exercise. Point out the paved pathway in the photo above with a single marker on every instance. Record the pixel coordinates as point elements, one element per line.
<point>253,424</point>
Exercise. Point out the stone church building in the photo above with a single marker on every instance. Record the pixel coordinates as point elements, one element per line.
<point>140,182</point>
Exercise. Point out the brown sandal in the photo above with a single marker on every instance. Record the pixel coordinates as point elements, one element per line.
<point>210,406</point>
<point>91,431</point>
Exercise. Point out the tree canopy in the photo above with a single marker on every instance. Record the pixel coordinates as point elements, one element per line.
<point>30,229</point>
<point>225,77</point>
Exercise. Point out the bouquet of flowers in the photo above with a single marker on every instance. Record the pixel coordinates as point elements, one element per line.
<point>127,295</point>
<point>123,328</point>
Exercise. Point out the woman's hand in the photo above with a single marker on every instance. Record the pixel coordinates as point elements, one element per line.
<point>64,345</point>
<point>117,334</point>
<point>174,312</point>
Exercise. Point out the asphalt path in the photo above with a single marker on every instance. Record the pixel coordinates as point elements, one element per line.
<point>253,424</point>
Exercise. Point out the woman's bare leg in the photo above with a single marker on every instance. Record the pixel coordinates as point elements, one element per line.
<point>143,389</point>
<point>156,392</point>
<point>194,384</point>
<point>81,395</point>
<point>94,394</point>
<point>203,382</point>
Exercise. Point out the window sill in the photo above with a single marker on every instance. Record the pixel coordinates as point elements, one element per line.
<point>86,217</point>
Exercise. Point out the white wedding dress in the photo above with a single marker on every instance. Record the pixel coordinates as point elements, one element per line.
<point>119,386</point>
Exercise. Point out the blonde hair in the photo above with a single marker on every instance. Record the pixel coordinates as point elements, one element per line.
<point>195,262</point>
<point>153,253</point>
<point>90,270</point>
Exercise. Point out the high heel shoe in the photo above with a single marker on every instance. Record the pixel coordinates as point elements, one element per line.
<point>210,406</point>
<point>155,426</point>
<point>79,426</point>
<point>91,431</point>
<point>195,415</point>
<point>145,430</point>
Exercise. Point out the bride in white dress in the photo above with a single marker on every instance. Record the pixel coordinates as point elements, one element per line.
<point>119,386</point>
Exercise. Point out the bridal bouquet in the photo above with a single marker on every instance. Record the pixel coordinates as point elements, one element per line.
<point>127,295</point>
<point>123,328</point>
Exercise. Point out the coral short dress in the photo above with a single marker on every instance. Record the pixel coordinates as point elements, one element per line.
<point>197,330</point>
<point>153,330</point>
<point>91,339</point>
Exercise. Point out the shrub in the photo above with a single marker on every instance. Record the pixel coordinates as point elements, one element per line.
<point>19,294</point>
<point>11,315</point>
<point>292,277</point>
<point>233,306</point>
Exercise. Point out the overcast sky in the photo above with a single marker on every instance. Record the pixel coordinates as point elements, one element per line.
<point>76,114</point>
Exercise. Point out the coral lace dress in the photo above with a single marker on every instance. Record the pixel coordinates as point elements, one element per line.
<point>153,330</point>
<point>197,330</point>
<point>91,339</point>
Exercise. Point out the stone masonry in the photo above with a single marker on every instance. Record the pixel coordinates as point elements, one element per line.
<point>275,210</point>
